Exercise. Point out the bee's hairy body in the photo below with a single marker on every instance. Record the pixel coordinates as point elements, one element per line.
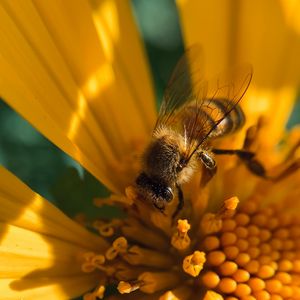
<point>166,156</point>
<point>166,164</point>
<point>164,167</point>
<point>193,112</point>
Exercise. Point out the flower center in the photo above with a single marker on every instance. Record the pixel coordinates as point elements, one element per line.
<point>255,254</point>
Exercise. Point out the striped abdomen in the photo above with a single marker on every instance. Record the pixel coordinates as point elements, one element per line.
<point>216,117</point>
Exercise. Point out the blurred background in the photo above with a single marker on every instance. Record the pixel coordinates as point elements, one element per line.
<point>52,173</point>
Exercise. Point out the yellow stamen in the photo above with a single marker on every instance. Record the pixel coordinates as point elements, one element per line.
<point>169,296</point>
<point>107,229</point>
<point>162,222</point>
<point>254,254</point>
<point>119,246</point>
<point>92,261</point>
<point>157,281</point>
<point>229,207</point>
<point>98,293</point>
<point>180,293</point>
<point>145,257</point>
<point>211,295</point>
<point>210,223</point>
<point>193,264</point>
<point>180,239</point>
<point>126,287</point>
<point>125,272</point>
<point>136,231</point>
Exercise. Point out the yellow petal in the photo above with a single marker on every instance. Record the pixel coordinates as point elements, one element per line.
<point>118,33</point>
<point>58,288</point>
<point>58,75</point>
<point>263,33</point>
<point>41,249</point>
<point>21,207</point>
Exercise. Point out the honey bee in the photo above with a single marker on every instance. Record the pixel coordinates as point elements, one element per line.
<point>193,112</point>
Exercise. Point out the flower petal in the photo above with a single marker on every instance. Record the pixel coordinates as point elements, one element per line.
<point>40,247</point>
<point>58,75</point>
<point>21,207</point>
<point>46,288</point>
<point>265,34</point>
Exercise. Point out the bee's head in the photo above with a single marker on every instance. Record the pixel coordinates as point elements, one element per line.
<point>155,190</point>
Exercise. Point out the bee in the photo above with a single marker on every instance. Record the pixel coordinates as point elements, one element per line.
<point>193,113</point>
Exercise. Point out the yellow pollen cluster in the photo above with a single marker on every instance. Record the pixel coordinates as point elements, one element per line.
<point>193,264</point>
<point>255,255</point>
<point>180,239</point>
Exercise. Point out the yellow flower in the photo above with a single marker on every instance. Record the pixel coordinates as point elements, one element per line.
<point>76,70</point>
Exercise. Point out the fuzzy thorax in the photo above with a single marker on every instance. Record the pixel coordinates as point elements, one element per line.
<point>166,157</point>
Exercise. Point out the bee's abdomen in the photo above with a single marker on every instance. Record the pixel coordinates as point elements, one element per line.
<point>233,120</point>
<point>216,117</point>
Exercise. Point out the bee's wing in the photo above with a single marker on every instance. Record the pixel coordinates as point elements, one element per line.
<point>182,86</point>
<point>222,95</point>
<point>188,105</point>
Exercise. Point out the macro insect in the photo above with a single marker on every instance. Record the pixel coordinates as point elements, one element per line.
<point>193,113</point>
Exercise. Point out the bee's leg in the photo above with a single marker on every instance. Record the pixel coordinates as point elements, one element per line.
<point>247,157</point>
<point>209,165</point>
<point>256,167</point>
<point>180,201</point>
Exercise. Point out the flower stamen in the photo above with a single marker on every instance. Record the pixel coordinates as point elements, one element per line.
<point>107,229</point>
<point>180,239</point>
<point>145,257</point>
<point>119,246</point>
<point>92,262</point>
<point>157,281</point>
<point>136,231</point>
<point>193,264</point>
<point>248,257</point>
<point>183,292</point>
<point>128,287</point>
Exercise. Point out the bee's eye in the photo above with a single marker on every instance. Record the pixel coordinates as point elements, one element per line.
<point>168,194</point>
